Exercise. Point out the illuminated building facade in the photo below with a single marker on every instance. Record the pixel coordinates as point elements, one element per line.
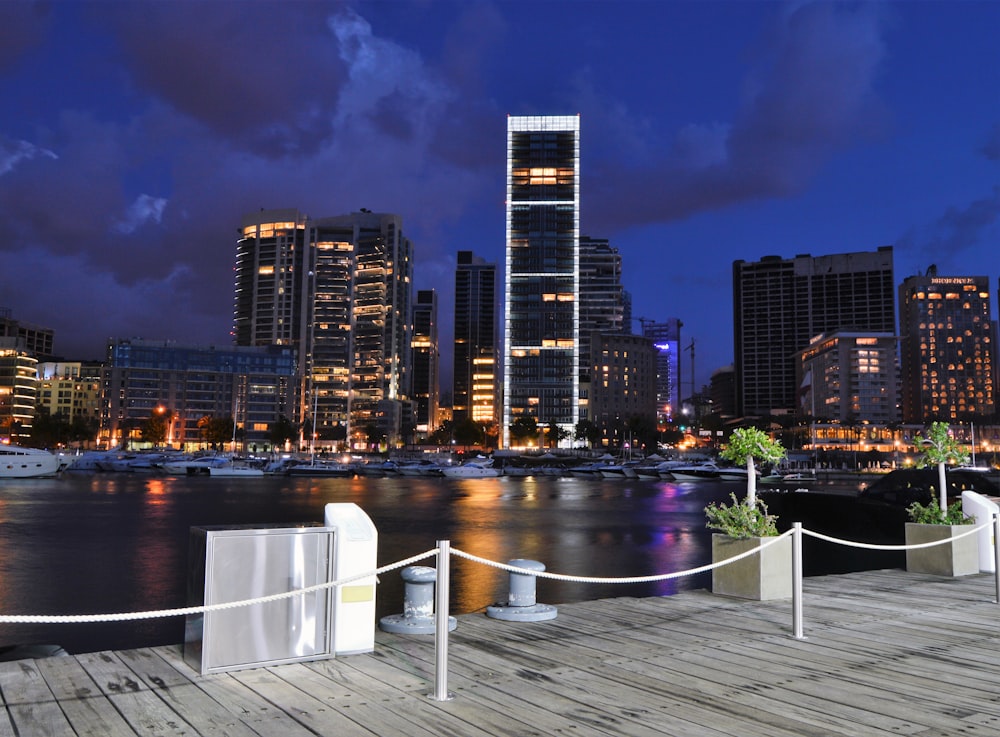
<point>338,291</point>
<point>35,340</point>
<point>187,383</point>
<point>425,361</point>
<point>18,390</point>
<point>476,348</point>
<point>666,337</point>
<point>947,350</point>
<point>849,377</point>
<point>542,287</point>
<point>780,304</point>
<point>71,390</point>
<point>623,384</point>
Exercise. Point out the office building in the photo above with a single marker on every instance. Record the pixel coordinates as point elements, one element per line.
<point>849,378</point>
<point>623,386</point>
<point>189,383</point>
<point>426,358</point>
<point>338,291</point>
<point>542,289</point>
<point>780,304</point>
<point>601,295</point>
<point>34,339</point>
<point>666,337</point>
<point>947,353</point>
<point>475,393</point>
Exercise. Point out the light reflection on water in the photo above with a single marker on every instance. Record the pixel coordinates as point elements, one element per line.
<point>117,543</point>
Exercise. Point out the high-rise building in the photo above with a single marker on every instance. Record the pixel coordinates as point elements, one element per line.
<point>601,304</point>
<point>425,360</point>
<point>780,304</point>
<point>947,353</point>
<point>666,337</point>
<point>338,290</point>
<point>18,390</point>
<point>623,388</point>
<point>542,288</point>
<point>849,377</point>
<point>476,349</point>
<point>34,339</point>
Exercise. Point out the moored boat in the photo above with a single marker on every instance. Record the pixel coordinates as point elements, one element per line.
<point>18,462</point>
<point>471,470</point>
<point>695,472</point>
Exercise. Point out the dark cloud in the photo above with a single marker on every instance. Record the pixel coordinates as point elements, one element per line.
<point>991,149</point>
<point>810,92</point>
<point>948,240</point>
<point>24,24</point>
<point>264,75</point>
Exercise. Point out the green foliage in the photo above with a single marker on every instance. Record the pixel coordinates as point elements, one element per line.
<point>940,447</point>
<point>524,428</point>
<point>741,521</point>
<point>746,442</point>
<point>931,514</point>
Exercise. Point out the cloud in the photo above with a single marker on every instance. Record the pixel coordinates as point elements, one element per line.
<point>24,23</point>
<point>145,209</point>
<point>809,93</point>
<point>991,149</point>
<point>956,232</point>
<point>14,152</point>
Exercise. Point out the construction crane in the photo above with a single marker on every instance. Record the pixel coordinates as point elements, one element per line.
<point>691,348</point>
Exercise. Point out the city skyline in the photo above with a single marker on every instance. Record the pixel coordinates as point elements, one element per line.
<point>133,141</point>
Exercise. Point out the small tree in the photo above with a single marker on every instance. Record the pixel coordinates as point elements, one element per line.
<point>747,443</point>
<point>940,448</point>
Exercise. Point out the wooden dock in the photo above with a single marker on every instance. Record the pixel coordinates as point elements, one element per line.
<point>886,653</point>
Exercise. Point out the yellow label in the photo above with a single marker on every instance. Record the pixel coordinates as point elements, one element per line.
<point>354,594</point>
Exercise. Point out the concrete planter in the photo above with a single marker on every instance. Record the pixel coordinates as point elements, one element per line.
<point>765,575</point>
<point>955,558</point>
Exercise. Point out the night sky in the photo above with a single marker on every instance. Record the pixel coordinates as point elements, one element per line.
<point>134,136</point>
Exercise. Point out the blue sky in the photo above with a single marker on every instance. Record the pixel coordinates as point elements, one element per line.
<point>134,136</point>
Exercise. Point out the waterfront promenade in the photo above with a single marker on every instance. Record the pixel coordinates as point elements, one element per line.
<point>885,653</point>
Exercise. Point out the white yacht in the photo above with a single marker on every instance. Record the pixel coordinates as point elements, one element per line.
<point>17,462</point>
<point>478,469</point>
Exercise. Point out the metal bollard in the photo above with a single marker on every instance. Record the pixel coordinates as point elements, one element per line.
<point>521,605</point>
<point>418,604</point>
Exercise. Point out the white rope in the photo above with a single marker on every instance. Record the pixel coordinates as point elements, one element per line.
<point>127,616</point>
<point>636,579</point>
<point>914,546</point>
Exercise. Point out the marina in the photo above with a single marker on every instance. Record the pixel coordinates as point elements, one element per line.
<point>885,653</point>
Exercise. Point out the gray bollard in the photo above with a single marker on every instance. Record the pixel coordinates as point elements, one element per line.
<point>418,604</point>
<point>521,605</point>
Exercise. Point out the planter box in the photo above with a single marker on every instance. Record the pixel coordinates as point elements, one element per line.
<point>955,558</point>
<point>765,575</point>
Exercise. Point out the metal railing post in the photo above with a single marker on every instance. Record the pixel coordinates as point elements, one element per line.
<point>996,553</point>
<point>441,609</point>
<point>797,580</point>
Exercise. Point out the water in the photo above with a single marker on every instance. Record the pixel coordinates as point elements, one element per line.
<point>86,544</point>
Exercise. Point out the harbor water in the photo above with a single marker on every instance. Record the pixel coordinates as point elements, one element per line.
<point>105,542</point>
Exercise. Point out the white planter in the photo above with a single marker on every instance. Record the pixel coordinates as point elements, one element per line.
<point>956,558</point>
<point>762,576</point>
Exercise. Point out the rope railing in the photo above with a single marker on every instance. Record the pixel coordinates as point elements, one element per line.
<point>443,552</point>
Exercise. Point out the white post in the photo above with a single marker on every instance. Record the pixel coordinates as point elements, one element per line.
<point>441,607</point>
<point>797,580</point>
<point>996,553</point>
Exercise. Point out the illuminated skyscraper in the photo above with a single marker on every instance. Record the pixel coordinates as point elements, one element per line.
<point>425,360</point>
<point>666,337</point>
<point>947,349</point>
<point>476,350</point>
<point>542,287</point>
<point>338,290</point>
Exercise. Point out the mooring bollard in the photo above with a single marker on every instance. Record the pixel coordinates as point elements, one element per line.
<point>418,604</point>
<point>521,605</point>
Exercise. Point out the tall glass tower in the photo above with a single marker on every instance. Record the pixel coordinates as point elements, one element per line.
<point>541,377</point>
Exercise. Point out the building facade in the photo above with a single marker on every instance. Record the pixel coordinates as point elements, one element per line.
<point>18,390</point>
<point>34,339</point>
<point>542,287</point>
<point>849,378</point>
<point>623,385</point>
<point>475,394</point>
<point>666,337</point>
<point>71,390</point>
<point>947,352</point>
<point>426,358</point>
<point>337,290</point>
<point>780,304</point>
<point>187,384</point>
